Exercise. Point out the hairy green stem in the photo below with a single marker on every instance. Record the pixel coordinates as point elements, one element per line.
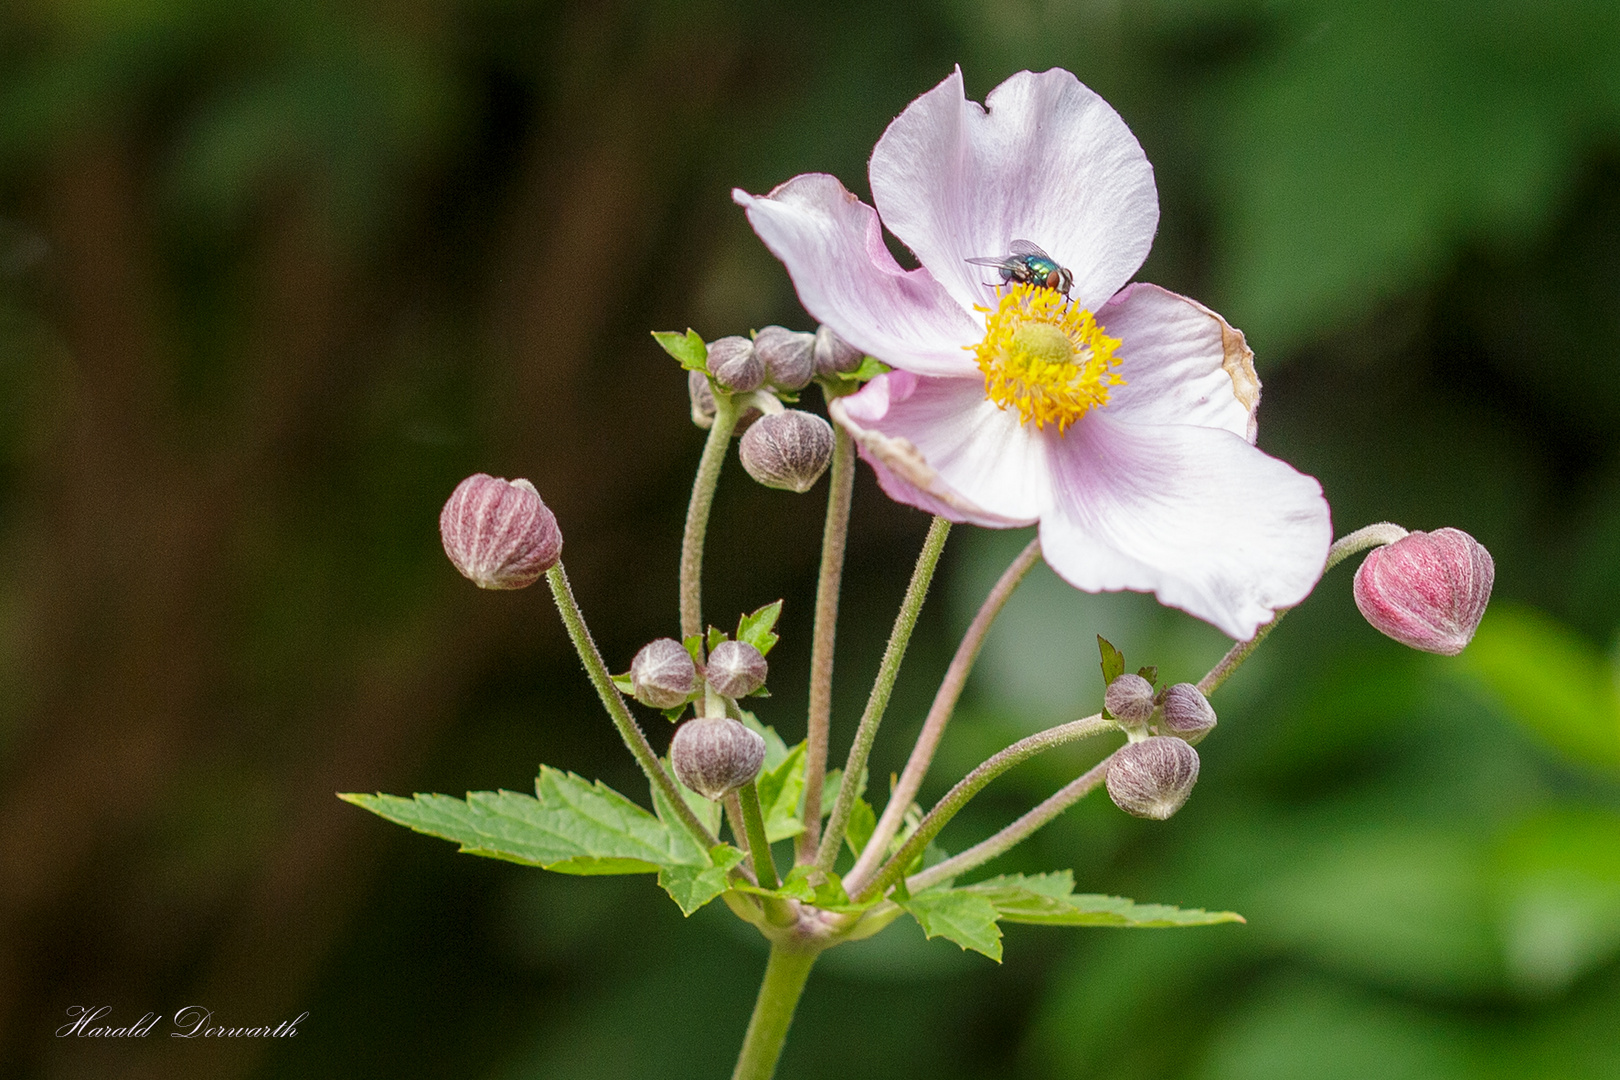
<point>1013,834</point>
<point>834,534</point>
<point>785,975</point>
<point>697,512</point>
<point>629,730</point>
<point>893,655</point>
<point>939,714</point>
<point>1369,536</point>
<point>969,786</point>
<point>759,847</point>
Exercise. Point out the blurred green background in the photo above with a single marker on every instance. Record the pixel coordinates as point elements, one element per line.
<point>274,276</point>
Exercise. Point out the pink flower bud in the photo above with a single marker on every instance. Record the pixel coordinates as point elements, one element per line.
<point>1187,712</point>
<point>716,755</point>
<point>1427,590</point>
<point>736,669</point>
<point>1129,698</point>
<point>498,533</point>
<point>1152,778</point>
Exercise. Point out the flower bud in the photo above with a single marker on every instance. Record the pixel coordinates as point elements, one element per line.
<point>1187,712</point>
<point>716,755</point>
<point>663,675</point>
<point>736,669</point>
<point>789,450</point>
<point>834,355</point>
<point>1152,778</point>
<point>789,357</point>
<point>735,365</point>
<point>498,533</point>
<point>1427,590</point>
<point>1129,698</point>
<point>697,387</point>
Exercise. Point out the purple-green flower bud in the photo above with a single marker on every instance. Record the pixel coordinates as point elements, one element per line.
<point>499,534</point>
<point>735,365</point>
<point>697,387</point>
<point>716,755</point>
<point>663,675</point>
<point>789,451</point>
<point>736,669</point>
<point>834,355</point>
<point>1187,713</point>
<point>1152,778</point>
<point>788,355</point>
<point>1427,590</point>
<point>1129,698</point>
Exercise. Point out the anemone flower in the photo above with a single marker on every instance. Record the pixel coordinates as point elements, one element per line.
<point>1031,383</point>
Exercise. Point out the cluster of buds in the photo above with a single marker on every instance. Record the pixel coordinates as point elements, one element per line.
<point>1152,775</point>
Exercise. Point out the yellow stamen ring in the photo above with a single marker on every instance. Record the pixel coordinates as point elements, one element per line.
<point>1046,356</point>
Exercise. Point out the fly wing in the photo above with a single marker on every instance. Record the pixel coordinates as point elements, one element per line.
<point>1027,249</point>
<point>996,261</point>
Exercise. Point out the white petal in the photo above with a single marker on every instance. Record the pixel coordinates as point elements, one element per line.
<point>939,445</point>
<point>1196,515</point>
<point>1181,362</point>
<point>832,245</point>
<point>1049,162</point>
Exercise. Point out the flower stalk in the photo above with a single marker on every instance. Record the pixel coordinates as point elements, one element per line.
<point>697,512</point>
<point>759,846</point>
<point>785,974</point>
<point>894,654</point>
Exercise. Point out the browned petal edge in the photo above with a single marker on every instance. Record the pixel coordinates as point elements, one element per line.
<point>1238,360</point>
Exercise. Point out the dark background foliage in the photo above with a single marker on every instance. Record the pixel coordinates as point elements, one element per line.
<point>274,276</point>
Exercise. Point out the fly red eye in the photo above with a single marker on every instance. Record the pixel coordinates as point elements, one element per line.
<point>1053,278</point>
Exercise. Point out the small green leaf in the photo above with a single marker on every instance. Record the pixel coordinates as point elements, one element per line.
<point>1113,662</point>
<point>570,825</point>
<point>1047,900</point>
<point>775,749</point>
<point>760,693</point>
<point>688,348</point>
<point>716,636</point>
<point>758,628</point>
<point>624,684</point>
<point>1150,673</point>
<point>960,916</point>
<point>694,645</point>
<point>797,885</point>
<point>693,886</point>
<point>674,715</point>
<point>831,894</point>
<point>779,792</point>
<point>862,821</point>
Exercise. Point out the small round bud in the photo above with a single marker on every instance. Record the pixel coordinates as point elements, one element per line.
<point>715,755</point>
<point>1130,698</point>
<point>663,675</point>
<point>735,365</point>
<point>697,388</point>
<point>1152,778</point>
<point>789,450</point>
<point>1187,712</point>
<point>834,355</point>
<point>498,533</point>
<point>1427,590</point>
<point>789,357</point>
<point>736,669</point>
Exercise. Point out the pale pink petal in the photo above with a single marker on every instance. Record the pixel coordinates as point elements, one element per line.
<point>1181,362</point>
<point>1049,162</point>
<point>832,245</point>
<point>939,445</point>
<point>1195,515</point>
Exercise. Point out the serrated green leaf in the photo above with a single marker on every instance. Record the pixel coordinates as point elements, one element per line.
<point>869,369</point>
<point>688,348</point>
<point>674,715</point>
<point>1150,673</point>
<point>757,629</point>
<point>693,886</point>
<point>716,636</point>
<point>960,916</point>
<point>623,682</point>
<point>570,825</point>
<point>1113,661</point>
<point>1047,900</point>
<point>779,792</point>
<point>831,894</point>
<point>693,643</point>
<point>760,693</point>
<point>797,884</point>
<point>862,822</point>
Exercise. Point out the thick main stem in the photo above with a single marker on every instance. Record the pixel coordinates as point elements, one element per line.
<point>834,534</point>
<point>939,714</point>
<point>785,975</point>
<point>922,575</point>
<point>629,730</point>
<point>969,786</point>
<point>697,512</point>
